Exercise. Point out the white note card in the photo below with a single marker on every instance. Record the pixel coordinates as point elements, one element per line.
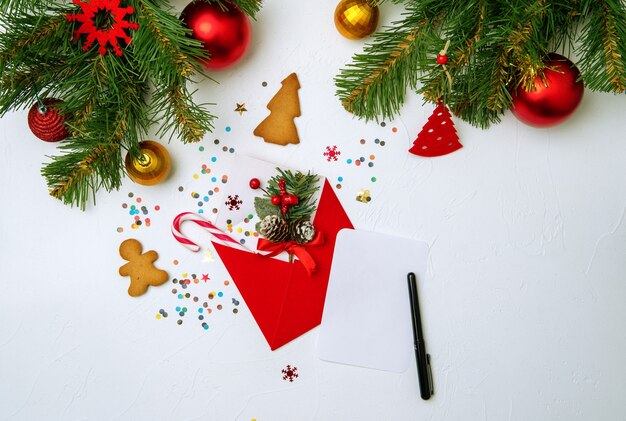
<point>367,314</point>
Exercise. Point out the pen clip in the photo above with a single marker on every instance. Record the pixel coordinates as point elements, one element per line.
<point>430,375</point>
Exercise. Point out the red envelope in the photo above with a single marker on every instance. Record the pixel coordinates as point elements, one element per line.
<point>283,299</point>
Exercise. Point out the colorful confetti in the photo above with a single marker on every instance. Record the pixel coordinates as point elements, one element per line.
<point>363,196</point>
<point>233,202</point>
<point>138,212</point>
<point>189,291</point>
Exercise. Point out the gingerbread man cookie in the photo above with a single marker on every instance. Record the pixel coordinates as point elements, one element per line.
<point>140,268</point>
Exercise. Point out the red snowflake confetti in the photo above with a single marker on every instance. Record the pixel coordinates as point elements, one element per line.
<point>332,153</point>
<point>233,202</point>
<point>104,35</point>
<point>290,373</point>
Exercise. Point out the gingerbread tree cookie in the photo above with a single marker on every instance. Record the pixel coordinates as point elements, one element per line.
<point>279,127</point>
<point>140,268</point>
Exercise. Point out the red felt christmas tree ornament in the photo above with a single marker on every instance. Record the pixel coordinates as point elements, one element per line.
<point>45,121</point>
<point>226,34</point>
<point>554,101</point>
<point>438,136</point>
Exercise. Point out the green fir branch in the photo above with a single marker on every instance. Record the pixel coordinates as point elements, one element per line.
<point>299,184</point>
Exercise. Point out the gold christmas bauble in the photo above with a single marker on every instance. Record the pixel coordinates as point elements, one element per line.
<point>356,19</point>
<point>152,166</point>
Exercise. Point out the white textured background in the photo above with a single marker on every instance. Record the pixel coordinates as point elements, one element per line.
<point>524,308</point>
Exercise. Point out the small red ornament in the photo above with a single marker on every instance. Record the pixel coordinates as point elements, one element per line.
<point>438,136</point>
<point>282,186</point>
<point>107,34</point>
<point>553,102</point>
<point>255,183</point>
<point>276,200</point>
<point>46,123</point>
<point>290,200</point>
<point>225,33</point>
<point>442,58</point>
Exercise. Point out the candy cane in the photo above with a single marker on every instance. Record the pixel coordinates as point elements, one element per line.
<point>218,236</point>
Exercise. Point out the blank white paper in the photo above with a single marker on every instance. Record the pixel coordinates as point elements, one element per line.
<point>367,315</point>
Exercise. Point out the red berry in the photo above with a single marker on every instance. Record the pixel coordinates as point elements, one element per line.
<point>442,58</point>
<point>293,199</point>
<point>255,183</point>
<point>276,200</point>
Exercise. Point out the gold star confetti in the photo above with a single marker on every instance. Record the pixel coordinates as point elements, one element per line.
<point>241,108</point>
<point>208,257</point>
<point>363,196</point>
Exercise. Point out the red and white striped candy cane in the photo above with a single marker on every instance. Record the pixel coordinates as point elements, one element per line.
<point>218,235</point>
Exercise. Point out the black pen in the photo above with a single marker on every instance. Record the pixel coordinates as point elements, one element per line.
<point>424,372</point>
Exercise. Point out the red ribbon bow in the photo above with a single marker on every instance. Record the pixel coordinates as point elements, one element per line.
<point>292,247</point>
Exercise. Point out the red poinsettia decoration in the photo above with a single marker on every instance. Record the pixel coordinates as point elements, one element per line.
<point>438,136</point>
<point>107,33</point>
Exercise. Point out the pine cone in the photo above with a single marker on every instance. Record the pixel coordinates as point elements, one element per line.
<point>275,229</point>
<point>302,231</point>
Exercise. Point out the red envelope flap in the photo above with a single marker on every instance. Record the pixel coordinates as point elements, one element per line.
<point>283,299</point>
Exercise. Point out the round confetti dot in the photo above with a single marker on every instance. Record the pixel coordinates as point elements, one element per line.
<point>213,179</point>
<point>208,310</point>
<point>201,148</point>
<point>138,200</point>
<point>181,188</point>
<point>370,164</point>
<point>226,283</point>
<point>214,210</point>
<point>177,308</point>
<point>181,314</point>
<point>383,124</point>
<point>205,198</point>
<point>200,310</point>
<point>175,262</point>
<point>394,129</point>
<point>357,163</point>
<point>184,309</point>
<point>175,281</point>
<point>338,186</point>
<point>180,322</point>
<point>231,150</point>
<point>373,179</point>
<point>242,241</point>
<point>382,143</point>
<point>200,210</point>
<point>362,159</point>
<point>225,149</point>
<point>219,306</point>
<point>377,141</point>
<point>200,204</point>
<point>211,295</point>
<point>174,290</point>
<point>157,208</point>
<point>349,161</point>
<point>210,192</point>
<point>120,229</point>
<point>362,141</point>
<point>216,141</point>
<point>372,157</point>
<point>196,176</point>
<point>227,129</point>
<point>220,294</point>
<point>158,316</point>
<point>205,304</point>
<point>138,223</point>
<point>130,194</point>
<point>195,299</point>
<point>205,326</point>
<point>250,216</point>
<point>195,281</point>
<point>239,230</point>
<point>340,179</point>
<point>235,311</point>
<point>124,206</point>
<point>229,221</point>
<point>213,159</point>
<point>256,234</point>
<point>216,189</point>
<point>187,295</point>
<point>180,296</point>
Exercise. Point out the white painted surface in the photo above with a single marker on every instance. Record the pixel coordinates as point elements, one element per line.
<point>524,310</point>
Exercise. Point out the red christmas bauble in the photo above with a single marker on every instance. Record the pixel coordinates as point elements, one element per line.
<point>46,123</point>
<point>442,58</point>
<point>225,34</point>
<point>553,102</point>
